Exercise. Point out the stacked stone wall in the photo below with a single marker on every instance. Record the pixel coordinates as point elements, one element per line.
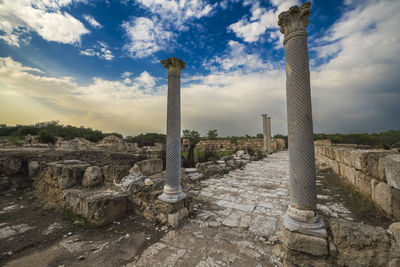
<point>375,173</point>
<point>278,144</point>
<point>214,145</point>
<point>254,144</point>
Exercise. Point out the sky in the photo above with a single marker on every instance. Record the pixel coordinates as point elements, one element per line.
<point>97,64</point>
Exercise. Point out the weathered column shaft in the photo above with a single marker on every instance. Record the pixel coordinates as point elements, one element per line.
<point>299,115</point>
<point>267,133</point>
<point>301,215</point>
<point>269,140</point>
<point>172,189</point>
<point>173,147</point>
<point>300,127</point>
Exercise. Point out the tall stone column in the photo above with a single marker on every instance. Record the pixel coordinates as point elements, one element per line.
<point>301,215</point>
<point>173,189</point>
<point>267,133</point>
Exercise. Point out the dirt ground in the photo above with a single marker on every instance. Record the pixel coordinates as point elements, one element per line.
<point>33,233</point>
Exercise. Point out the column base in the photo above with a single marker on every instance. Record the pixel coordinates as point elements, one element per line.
<point>171,195</point>
<point>304,221</point>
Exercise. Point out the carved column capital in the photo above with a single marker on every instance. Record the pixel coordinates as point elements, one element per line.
<point>174,65</point>
<point>294,21</point>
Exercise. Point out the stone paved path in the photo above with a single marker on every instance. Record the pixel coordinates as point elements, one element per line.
<point>239,212</point>
<point>239,221</point>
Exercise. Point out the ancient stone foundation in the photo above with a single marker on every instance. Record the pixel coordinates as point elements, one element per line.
<point>375,173</point>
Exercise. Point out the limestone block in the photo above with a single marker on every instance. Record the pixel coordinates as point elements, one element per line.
<point>383,197</point>
<point>331,153</point>
<point>374,183</point>
<point>9,166</point>
<point>326,151</point>
<point>114,173</point>
<point>350,174</point>
<point>363,183</point>
<point>342,169</point>
<point>99,206</point>
<point>175,218</point>
<point>375,164</point>
<point>396,203</point>
<point>335,166</point>
<point>93,176</point>
<point>150,166</point>
<point>33,168</point>
<point>392,170</point>
<point>71,174</point>
<point>347,157</point>
<point>325,142</point>
<point>338,154</point>
<point>64,174</point>
<point>359,244</point>
<point>305,243</point>
<point>360,159</point>
<point>395,228</point>
<point>381,169</point>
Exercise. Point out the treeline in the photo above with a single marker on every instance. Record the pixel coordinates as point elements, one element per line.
<point>47,131</point>
<point>381,140</point>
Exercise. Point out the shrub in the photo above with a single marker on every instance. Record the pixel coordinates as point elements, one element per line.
<point>45,137</point>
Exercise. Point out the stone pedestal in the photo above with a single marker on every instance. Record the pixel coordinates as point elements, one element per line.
<point>301,216</point>
<point>173,189</point>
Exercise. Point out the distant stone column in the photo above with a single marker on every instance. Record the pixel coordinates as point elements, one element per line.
<point>267,133</point>
<point>301,215</point>
<point>173,189</point>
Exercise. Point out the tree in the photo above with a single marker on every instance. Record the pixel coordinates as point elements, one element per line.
<point>45,137</point>
<point>193,136</point>
<point>212,134</point>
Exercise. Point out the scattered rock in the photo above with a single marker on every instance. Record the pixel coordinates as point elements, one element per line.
<point>148,182</point>
<point>93,176</point>
<point>395,228</point>
<point>81,258</point>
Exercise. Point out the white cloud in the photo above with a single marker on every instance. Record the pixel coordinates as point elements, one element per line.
<point>146,80</point>
<point>126,74</point>
<point>100,50</point>
<point>149,35</point>
<point>145,36</point>
<point>262,19</point>
<point>46,18</point>
<point>110,105</point>
<point>92,21</point>
<point>357,89</point>
<point>236,57</point>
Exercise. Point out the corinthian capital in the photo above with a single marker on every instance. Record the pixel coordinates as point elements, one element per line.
<point>173,64</point>
<point>296,19</point>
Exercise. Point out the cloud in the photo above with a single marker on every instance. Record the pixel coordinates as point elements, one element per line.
<point>109,105</point>
<point>46,18</point>
<point>100,50</point>
<point>147,35</point>
<point>261,19</point>
<point>92,21</point>
<point>357,88</point>
<point>236,57</point>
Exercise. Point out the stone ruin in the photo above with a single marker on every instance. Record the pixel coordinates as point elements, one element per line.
<point>103,185</point>
<point>278,144</point>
